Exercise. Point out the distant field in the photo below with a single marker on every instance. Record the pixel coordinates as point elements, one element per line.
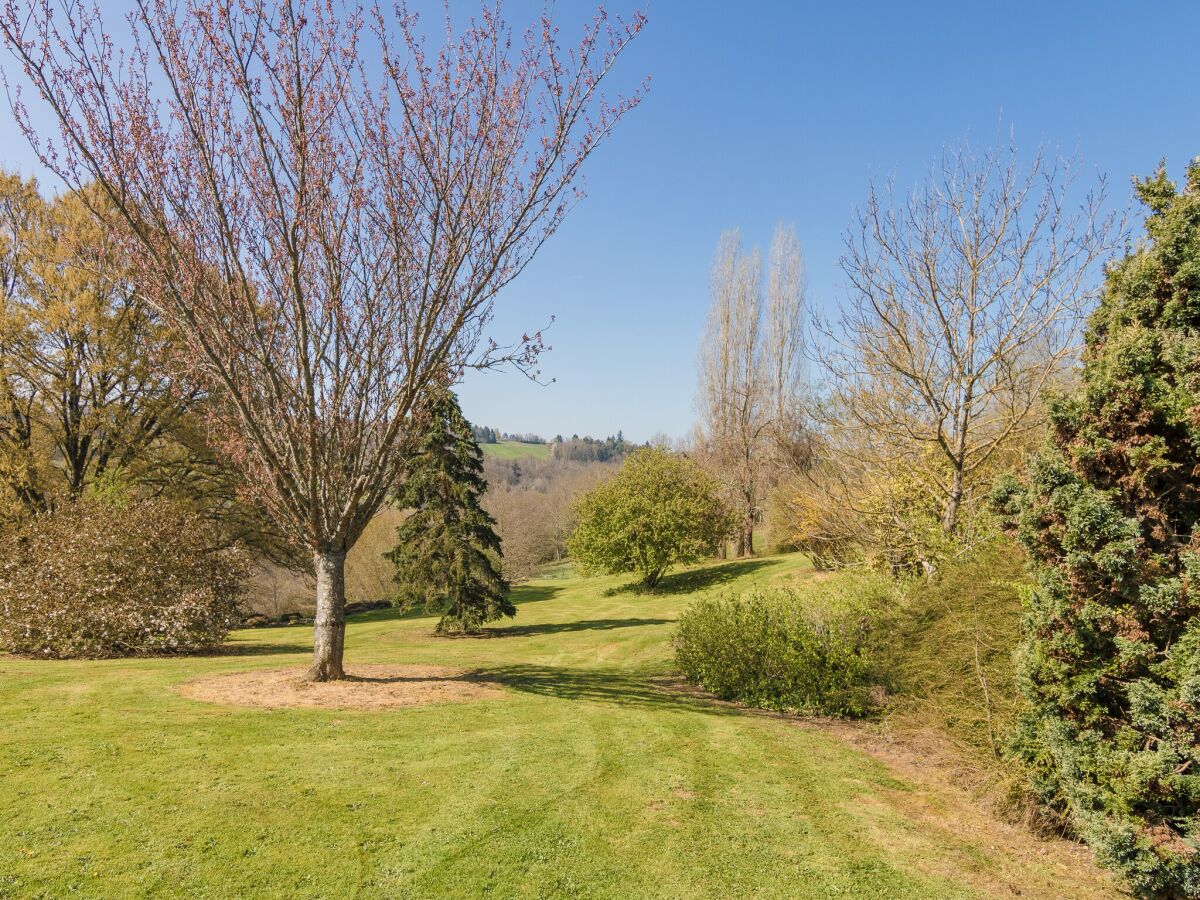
<point>516,450</point>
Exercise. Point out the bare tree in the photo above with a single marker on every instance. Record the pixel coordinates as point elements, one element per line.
<point>325,211</point>
<point>966,299</point>
<point>750,370</point>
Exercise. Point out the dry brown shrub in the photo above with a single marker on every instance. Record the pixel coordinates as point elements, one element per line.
<point>103,578</point>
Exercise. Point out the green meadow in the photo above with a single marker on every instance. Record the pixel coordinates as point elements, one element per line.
<point>592,775</point>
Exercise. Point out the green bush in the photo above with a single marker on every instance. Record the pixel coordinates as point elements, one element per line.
<point>950,657</point>
<point>805,649</point>
<point>103,577</point>
<point>949,662</point>
<point>659,510</point>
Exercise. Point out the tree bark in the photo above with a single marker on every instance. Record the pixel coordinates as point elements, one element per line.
<point>953,501</point>
<point>746,538</point>
<point>329,625</point>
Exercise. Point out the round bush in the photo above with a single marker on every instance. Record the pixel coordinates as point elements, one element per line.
<point>660,509</point>
<point>102,579</point>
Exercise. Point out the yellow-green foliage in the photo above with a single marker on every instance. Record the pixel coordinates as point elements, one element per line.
<point>952,652</point>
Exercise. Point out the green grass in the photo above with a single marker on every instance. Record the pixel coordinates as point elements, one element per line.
<point>587,779</point>
<point>516,450</point>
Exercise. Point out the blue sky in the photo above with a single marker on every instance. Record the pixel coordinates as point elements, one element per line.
<point>761,112</point>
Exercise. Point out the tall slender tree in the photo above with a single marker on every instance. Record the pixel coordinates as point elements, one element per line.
<point>447,554</point>
<point>324,211</point>
<point>750,368</point>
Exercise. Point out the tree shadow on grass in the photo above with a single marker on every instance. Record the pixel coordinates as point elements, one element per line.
<point>533,593</point>
<point>253,648</point>
<point>614,686</point>
<point>562,627</point>
<point>693,580</point>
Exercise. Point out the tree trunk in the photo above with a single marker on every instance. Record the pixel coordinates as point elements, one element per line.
<point>746,538</point>
<point>329,625</point>
<point>953,500</point>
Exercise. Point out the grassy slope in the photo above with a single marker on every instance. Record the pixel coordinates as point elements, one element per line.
<point>516,450</point>
<point>586,781</point>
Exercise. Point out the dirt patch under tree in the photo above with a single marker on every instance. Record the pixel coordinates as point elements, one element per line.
<point>372,687</point>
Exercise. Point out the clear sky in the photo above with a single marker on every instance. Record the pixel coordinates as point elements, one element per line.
<point>761,112</point>
<point>769,111</point>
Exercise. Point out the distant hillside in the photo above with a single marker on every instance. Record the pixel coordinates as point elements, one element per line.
<point>516,450</point>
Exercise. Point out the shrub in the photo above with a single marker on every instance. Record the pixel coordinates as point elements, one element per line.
<point>949,662</point>
<point>810,514</point>
<point>950,658</point>
<point>102,578</point>
<point>805,649</point>
<point>660,509</point>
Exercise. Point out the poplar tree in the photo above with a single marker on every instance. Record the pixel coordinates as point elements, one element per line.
<point>447,554</point>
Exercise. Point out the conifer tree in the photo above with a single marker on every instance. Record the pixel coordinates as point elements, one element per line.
<point>447,553</point>
<point>1111,656</point>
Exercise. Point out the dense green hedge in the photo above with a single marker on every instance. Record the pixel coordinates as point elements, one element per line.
<point>804,649</point>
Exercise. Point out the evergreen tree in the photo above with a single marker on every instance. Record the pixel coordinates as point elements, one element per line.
<point>1111,656</point>
<point>447,553</point>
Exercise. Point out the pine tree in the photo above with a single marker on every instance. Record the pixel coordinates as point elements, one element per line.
<point>447,553</point>
<point>1111,657</point>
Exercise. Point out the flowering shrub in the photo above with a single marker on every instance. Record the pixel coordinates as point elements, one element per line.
<point>98,578</point>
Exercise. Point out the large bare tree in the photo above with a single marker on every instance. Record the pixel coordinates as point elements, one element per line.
<point>325,210</point>
<point>966,298</point>
<point>750,369</point>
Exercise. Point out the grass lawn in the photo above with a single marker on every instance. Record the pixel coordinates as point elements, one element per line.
<point>586,778</point>
<point>516,450</point>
